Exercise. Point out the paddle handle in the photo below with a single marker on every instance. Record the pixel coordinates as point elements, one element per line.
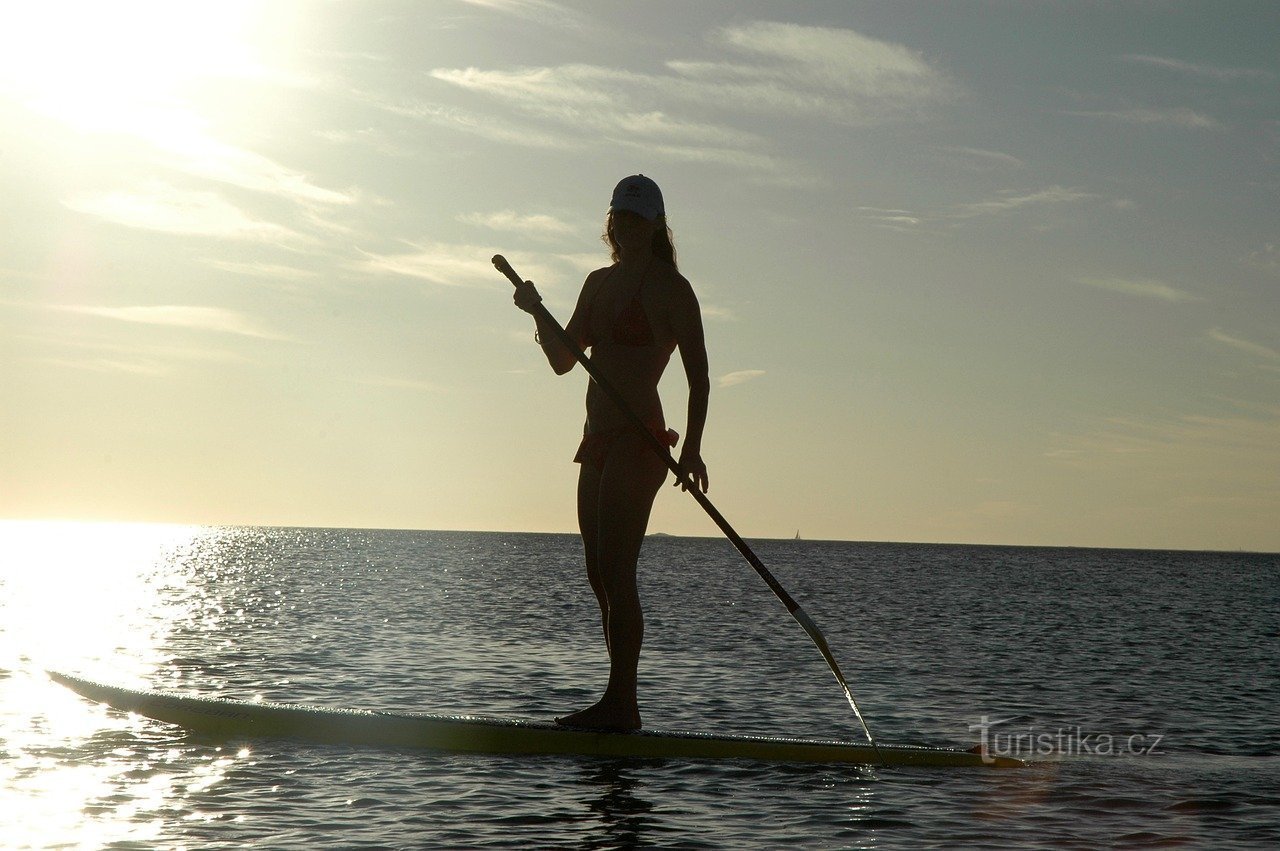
<point>504,267</point>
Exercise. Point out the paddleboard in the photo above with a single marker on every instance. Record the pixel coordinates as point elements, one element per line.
<point>473,734</point>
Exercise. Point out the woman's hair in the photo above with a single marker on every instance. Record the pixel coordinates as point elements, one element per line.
<point>664,247</point>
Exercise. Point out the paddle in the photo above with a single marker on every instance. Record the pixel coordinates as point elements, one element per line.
<point>656,445</point>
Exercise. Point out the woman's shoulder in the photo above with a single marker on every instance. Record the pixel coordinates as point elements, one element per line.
<point>594,279</point>
<point>595,276</point>
<point>669,280</point>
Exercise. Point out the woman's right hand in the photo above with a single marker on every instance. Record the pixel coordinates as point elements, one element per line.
<point>526,297</point>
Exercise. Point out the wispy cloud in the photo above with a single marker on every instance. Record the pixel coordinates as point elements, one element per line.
<point>209,158</point>
<point>1004,201</point>
<point>270,271</point>
<point>740,377</point>
<point>400,383</point>
<point>176,136</point>
<point>1141,287</point>
<point>605,100</point>
<point>1242,345</point>
<point>981,158</point>
<point>135,366</point>
<point>1266,258</point>
<point>1012,200</point>
<point>717,313</point>
<point>1240,448</point>
<point>833,60</point>
<point>1180,116</point>
<point>902,220</point>
<point>161,207</point>
<point>586,261</point>
<point>536,224</point>
<point>131,357</point>
<point>452,265</point>
<point>446,265</point>
<point>199,318</point>
<point>1197,69</point>
<point>507,130</point>
<point>542,11</point>
<point>823,74</point>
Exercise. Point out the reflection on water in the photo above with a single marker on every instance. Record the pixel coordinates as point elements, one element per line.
<point>625,818</point>
<point>100,597</point>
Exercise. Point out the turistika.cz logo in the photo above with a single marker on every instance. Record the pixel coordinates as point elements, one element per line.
<point>1030,742</point>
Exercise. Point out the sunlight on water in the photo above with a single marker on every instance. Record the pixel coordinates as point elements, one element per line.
<point>88,593</point>
<point>95,598</point>
<point>503,624</point>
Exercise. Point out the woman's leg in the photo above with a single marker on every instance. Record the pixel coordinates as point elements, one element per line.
<point>625,490</point>
<point>588,525</point>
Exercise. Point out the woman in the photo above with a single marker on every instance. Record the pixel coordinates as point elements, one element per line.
<point>632,315</point>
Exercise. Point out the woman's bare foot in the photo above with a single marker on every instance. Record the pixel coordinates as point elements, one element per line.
<point>604,716</point>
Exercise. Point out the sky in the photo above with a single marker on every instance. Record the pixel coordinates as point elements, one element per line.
<point>977,272</point>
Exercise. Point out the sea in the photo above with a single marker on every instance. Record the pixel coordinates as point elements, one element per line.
<point>1143,687</point>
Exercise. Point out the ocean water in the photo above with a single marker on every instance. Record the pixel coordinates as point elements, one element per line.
<point>1144,684</point>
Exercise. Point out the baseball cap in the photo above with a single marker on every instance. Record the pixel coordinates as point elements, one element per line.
<point>640,195</point>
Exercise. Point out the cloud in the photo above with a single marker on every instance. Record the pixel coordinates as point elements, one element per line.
<point>509,220</point>
<point>200,154</point>
<point>823,74</point>
<point>926,221</point>
<point>542,11</point>
<point>1249,444</point>
<point>180,316</point>
<point>1174,117</point>
<point>902,220</point>
<point>586,261</point>
<point>447,265</point>
<point>164,208</point>
<point>606,100</point>
<point>1246,346</point>
<point>981,158</point>
<point>1196,69</point>
<point>272,271</point>
<point>1008,200</point>
<point>131,357</point>
<point>1266,258</point>
<point>110,365</point>
<point>741,376</point>
<point>507,130</point>
<point>1142,287</point>
<point>401,383</point>
<point>451,265</point>
<point>833,60</point>
<point>717,313</point>
<point>178,137</point>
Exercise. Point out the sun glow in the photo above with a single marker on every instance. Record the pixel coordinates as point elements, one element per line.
<point>123,67</point>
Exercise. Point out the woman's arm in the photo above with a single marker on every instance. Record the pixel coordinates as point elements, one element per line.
<point>560,358</point>
<point>686,324</point>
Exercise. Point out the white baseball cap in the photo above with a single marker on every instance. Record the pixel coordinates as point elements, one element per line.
<point>640,195</point>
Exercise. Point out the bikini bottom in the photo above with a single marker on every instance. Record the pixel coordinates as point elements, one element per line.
<point>595,445</point>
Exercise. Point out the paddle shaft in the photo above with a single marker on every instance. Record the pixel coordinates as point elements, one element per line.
<point>801,617</point>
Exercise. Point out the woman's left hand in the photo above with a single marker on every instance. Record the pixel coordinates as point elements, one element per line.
<point>692,469</point>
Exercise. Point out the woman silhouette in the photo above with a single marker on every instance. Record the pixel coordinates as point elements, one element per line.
<point>632,315</point>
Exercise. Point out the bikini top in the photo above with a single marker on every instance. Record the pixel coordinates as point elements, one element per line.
<point>631,326</point>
